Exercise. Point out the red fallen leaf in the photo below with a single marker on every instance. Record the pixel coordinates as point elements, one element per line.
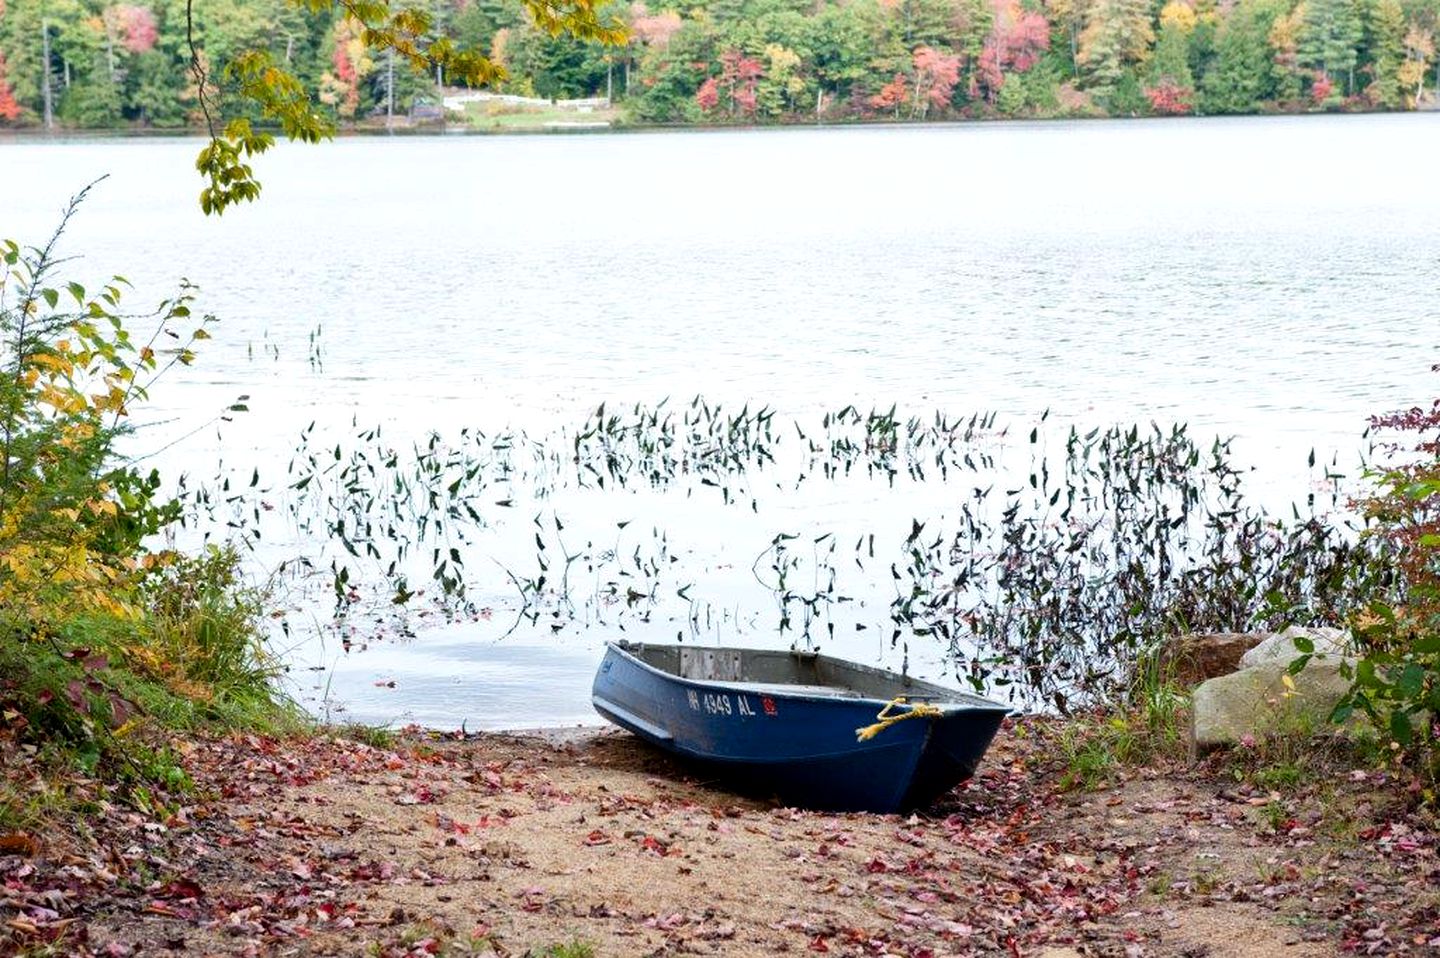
<point>597,837</point>
<point>876,866</point>
<point>818,944</point>
<point>75,695</point>
<point>163,908</point>
<point>95,663</point>
<point>182,888</point>
<point>120,710</point>
<point>385,684</point>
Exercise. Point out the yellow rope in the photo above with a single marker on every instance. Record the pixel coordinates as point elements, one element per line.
<point>887,718</point>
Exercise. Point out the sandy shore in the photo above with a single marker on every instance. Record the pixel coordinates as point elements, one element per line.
<point>513,843</point>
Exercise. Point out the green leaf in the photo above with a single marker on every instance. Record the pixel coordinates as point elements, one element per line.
<point>50,296</point>
<point>1305,644</point>
<point>1365,674</point>
<point>1400,729</point>
<point>1411,681</point>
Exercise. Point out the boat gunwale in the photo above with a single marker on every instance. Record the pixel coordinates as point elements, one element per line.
<point>968,701</point>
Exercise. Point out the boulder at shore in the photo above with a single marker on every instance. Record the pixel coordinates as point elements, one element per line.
<point>1329,644</point>
<point>1187,660</point>
<point>1256,701</point>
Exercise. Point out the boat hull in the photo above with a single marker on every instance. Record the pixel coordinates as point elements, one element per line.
<point>801,748</point>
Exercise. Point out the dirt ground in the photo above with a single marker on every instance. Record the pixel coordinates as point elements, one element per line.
<point>513,844</point>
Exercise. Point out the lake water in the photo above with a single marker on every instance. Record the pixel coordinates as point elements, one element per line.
<point>1269,278</point>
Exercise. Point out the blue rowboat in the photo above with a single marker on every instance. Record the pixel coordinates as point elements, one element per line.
<point>815,731</point>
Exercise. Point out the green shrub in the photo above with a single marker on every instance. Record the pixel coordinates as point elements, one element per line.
<point>98,632</point>
<point>1396,681</point>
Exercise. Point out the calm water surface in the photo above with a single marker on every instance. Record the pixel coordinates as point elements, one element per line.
<point>1262,278</point>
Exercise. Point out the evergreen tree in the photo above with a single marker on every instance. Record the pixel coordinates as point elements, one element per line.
<point>1285,70</point>
<point>1235,82</point>
<point>1385,31</point>
<point>153,90</point>
<point>1172,57</point>
<point>924,23</point>
<point>92,100</point>
<point>22,45</point>
<point>1117,36</point>
<point>1329,34</point>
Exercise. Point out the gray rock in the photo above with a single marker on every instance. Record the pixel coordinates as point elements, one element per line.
<point>1187,660</point>
<point>1257,702</point>
<point>1329,644</point>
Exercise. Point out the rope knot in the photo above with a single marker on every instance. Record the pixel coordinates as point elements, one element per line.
<point>888,717</point>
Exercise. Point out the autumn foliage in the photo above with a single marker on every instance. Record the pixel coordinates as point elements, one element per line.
<point>1397,677</point>
<point>735,87</point>
<point>1017,40</point>
<point>653,30</point>
<point>892,95</point>
<point>930,84</point>
<point>936,74</point>
<point>1168,98</point>
<point>135,26</point>
<point>9,109</point>
<point>89,612</point>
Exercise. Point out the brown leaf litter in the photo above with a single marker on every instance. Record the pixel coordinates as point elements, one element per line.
<point>508,843</point>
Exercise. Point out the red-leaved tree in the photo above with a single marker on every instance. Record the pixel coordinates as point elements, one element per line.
<point>1321,88</point>
<point>1168,98</point>
<point>134,25</point>
<point>9,109</point>
<point>936,74</point>
<point>653,30</point>
<point>739,79</point>
<point>708,96</point>
<point>1017,40</point>
<point>891,95</point>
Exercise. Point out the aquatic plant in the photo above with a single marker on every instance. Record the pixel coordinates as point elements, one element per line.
<point>1047,563</point>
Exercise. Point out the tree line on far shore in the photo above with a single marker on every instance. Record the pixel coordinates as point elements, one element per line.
<point>750,61</point>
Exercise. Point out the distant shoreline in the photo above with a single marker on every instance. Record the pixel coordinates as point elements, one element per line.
<point>466,130</point>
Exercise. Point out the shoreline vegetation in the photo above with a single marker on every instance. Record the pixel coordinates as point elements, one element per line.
<point>755,62</point>
<point>157,790</point>
<point>539,121</point>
